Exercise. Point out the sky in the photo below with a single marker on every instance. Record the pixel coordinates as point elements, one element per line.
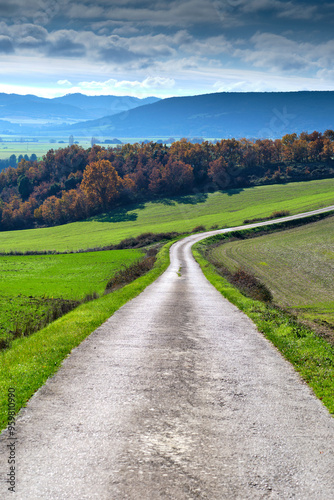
<point>136,47</point>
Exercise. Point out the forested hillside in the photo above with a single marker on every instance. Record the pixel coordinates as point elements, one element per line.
<point>220,115</point>
<point>73,183</point>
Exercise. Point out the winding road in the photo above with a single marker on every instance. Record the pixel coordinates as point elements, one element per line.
<point>177,396</point>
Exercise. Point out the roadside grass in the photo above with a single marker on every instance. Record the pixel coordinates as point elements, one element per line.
<point>35,289</point>
<point>311,355</point>
<point>296,265</point>
<point>182,214</point>
<point>32,360</point>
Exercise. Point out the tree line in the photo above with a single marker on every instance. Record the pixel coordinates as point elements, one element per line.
<point>73,183</point>
<point>12,161</point>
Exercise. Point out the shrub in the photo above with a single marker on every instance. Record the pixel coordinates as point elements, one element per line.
<point>251,286</point>
<point>198,229</point>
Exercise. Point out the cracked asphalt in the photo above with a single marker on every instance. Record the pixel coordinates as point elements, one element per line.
<point>177,396</point>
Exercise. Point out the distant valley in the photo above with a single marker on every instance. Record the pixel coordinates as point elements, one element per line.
<point>27,113</point>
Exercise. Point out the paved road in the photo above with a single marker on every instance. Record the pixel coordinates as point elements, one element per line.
<point>177,396</point>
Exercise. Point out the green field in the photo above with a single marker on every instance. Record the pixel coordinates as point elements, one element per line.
<point>297,265</point>
<point>223,209</point>
<point>14,145</point>
<point>11,146</point>
<point>30,284</point>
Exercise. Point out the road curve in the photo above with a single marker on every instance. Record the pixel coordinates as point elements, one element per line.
<point>177,396</point>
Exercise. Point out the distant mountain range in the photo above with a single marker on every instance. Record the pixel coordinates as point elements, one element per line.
<point>221,115</point>
<point>218,115</point>
<point>26,110</point>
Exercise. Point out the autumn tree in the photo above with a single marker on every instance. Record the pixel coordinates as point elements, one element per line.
<point>174,178</point>
<point>101,184</point>
<point>218,173</point>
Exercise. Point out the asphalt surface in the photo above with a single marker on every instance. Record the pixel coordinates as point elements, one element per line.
<point>177,396</point>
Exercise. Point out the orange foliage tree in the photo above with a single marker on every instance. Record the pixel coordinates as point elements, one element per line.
<point>101,184</point>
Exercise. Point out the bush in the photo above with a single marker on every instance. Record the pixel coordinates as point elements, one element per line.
<point>251,286</point>
<point>198,229</point>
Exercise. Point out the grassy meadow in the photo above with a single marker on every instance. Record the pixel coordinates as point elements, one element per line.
<point>31,285</point>
<point>297,266</point>
<point>182,214</point>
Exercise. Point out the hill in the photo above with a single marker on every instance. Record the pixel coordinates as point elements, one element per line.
<point>102,105</point>
<point>220,115</point>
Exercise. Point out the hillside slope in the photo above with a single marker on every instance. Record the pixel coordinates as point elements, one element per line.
<point>252,114</point>
<point>182,214</point>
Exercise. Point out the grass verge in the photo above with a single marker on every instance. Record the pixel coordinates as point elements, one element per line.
<point>310,355</point>
<point>31,361</point>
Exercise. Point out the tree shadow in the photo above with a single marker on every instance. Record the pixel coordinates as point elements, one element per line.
<point>231,192</point>
<point>122,214</point>
<point>193,199</point>
<point>188,199</point>
<point>163,201</point>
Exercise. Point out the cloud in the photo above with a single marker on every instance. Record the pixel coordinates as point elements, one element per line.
<point>114,54</point>
<point>144,45</point>
<point>64,82</point>
<point>30,30</point>
<point>206,47</point>
<point>290,9</point>
<point>6,45</point>
<point>126,30</point>
<point>63,44</point>
<point>142,48</point>
<point>276,52</point>
<point>7,9</point>
<point>153,82</point>
<point>111,85</point>
<point>326,74</point>
<point>24,35</point>
<point>80,11</point>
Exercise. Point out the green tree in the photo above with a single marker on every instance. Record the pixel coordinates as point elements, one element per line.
<point>12,161</point>
<point>25,187</point>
